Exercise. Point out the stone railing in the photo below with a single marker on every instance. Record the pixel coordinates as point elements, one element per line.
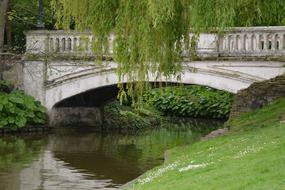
<point>233,42</point>
<point>252,41</point>
<point>59,42</point>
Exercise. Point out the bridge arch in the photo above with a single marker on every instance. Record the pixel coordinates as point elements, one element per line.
<point>86,81</point>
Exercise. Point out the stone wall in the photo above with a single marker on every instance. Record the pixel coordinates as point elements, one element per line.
<point>11,69</point>
<point>258,95</point>
<point>83,116</point>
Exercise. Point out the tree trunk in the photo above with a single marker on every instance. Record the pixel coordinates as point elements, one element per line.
<point>9,35</point>
<point>3,13</point>
<point>9,29</point>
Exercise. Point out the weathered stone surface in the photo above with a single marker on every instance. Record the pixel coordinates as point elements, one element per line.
<point>85,116</point>
<point>11,69</point>
<point>216,133</point>
<point>56,80</point>
<point>258,95</point>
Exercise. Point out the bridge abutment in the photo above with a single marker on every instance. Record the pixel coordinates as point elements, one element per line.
<point>34,76</point>
<point>72,116</point>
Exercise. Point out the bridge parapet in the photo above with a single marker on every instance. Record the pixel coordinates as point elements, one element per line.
<point>59,42</point>
<point>232,42</point>
<point>253,42</point>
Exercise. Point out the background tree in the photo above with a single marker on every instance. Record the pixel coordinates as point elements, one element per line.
<point>151,36</point>
<point>21,17</point>
<point>3,16</point>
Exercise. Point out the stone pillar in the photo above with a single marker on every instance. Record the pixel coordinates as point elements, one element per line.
<point>33,80</point>
<point>37,42</point>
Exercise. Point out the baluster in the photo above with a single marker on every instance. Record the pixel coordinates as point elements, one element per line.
<point>51,45</point>
<point>265,37</point>
<point>257,43</point>
<point>273,42</point>
<point>245,43</point>
<point>250,42</point>
<point>62,44</point>
<point>261,42</point>
<point>111,43</point>
<point>238,45</point>
<point>90,44</point>
<point>80,44</point>
<point>57,44</point>
<point>283,41</point>
<point>281,44</point>
<point>222,43</point>
<point>75,41</point>
<point>71,44</point>
<point>253,42</point>
<point>235,43</point>
<point>230,43</point>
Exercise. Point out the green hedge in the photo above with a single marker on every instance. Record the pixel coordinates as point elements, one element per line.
<point>191,101</point>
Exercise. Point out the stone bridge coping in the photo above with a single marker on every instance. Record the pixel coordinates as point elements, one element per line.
<point>233,42</point>
<point>228,29</point>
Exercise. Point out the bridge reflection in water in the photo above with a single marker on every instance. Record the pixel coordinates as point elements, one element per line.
<point>72,159</point>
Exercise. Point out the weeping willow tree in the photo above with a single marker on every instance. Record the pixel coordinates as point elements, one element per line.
<point>152,35</point>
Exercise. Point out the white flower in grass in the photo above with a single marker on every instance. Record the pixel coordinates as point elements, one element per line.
<point>157,173</point>
<point>248,150</point>
<point>192,166</point>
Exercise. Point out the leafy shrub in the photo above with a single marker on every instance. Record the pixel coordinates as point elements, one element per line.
<point>122,116</point>
<point>192,101</point>
<point>17,110</point>
<point>5,86</point>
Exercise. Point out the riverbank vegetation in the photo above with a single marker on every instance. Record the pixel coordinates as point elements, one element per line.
<point>191,101</point>
<point>125,117</point>
<point>252,153</point>
<point>159,105</point>
<point>18,110</point>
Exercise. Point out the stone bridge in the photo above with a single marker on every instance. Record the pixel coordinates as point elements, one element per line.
<point>59,65</point>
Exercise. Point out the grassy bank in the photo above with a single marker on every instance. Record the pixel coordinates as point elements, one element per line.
<point>251,156</point>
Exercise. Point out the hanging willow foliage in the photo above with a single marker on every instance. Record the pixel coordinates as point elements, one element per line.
<point>150,35</point>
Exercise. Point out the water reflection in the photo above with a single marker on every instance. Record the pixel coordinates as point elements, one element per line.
<point>70,159</point>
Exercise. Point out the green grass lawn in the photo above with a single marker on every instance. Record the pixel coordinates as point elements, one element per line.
<point>251,156</point>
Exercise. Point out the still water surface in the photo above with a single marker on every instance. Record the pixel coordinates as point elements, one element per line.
<point>80,159</point>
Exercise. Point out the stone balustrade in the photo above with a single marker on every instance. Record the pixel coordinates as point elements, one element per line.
<point>252,41</point>
<point>233,42</point>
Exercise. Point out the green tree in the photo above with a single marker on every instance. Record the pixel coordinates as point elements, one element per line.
<point>151,35</point>
<point>21,17</point>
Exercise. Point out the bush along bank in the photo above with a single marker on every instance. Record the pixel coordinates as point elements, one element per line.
<point>160,105</point>
<point>126,117</point>
<point>191,101</point>
<point>18,110</point>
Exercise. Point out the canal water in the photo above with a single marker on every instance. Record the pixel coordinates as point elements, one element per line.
<point>77,158</point>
